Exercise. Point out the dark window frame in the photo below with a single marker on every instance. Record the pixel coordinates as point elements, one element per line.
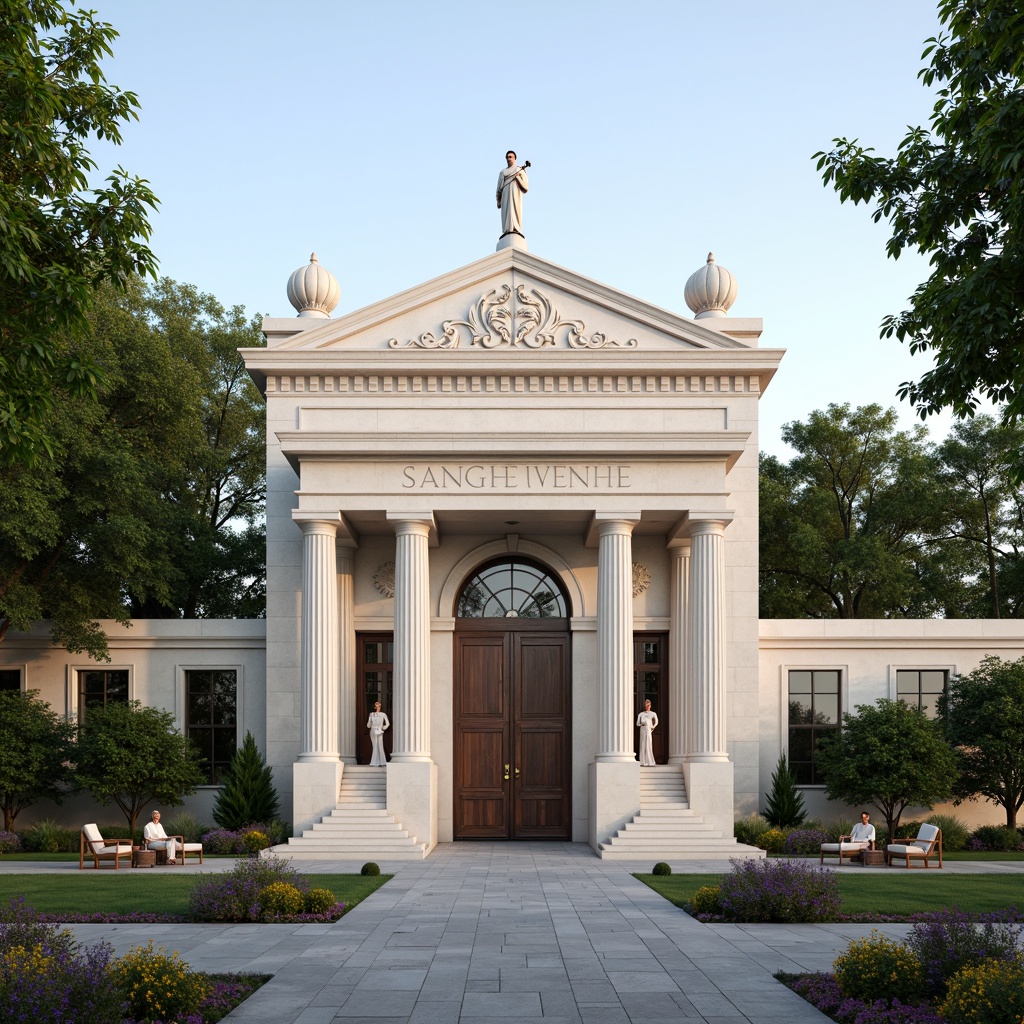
<point>90,682</point>
<point>7,674</point>
<point>803,737</point>
<point>918,690</point>
<point>215,740</point>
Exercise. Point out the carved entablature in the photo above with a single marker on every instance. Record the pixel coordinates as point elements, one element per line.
<point>523,318</point>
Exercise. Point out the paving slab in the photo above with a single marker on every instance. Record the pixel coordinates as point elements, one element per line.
<point>521,932</point>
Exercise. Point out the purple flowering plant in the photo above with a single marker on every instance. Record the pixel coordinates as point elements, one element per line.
<point>779,891</point>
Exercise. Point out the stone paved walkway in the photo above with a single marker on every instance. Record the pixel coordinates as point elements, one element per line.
<point>510,932</point>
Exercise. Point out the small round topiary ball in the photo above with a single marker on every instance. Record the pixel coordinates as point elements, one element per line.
<point>369,868</point>
<point>661,868</point>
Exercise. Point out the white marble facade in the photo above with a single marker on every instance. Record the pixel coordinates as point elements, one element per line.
<point>513,406</point>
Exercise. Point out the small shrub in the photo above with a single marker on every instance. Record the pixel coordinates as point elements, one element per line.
<point>661,868</point>
<point>220,840</point>
<point>803,842</point>
<point>780,891</point>
<point>186,825</point>
<point>879,968</point>
<point>773,841</point>
<point>707,900</point>
<point>908,830</point>
<point>369,868</point>
<point>319,901</point>
<point>839,827</point>
<point>158,986</point>
<point>234,895</point>
<point>253,842</point>
<point>750,829</point>
<point>996,837</point>
<point>989,993</point>
<point>950,940</point>
<point>48,837</point>
<point>280,899</point>
<point>955,833</point>
<point>785,807</point>
<point>10,842</point>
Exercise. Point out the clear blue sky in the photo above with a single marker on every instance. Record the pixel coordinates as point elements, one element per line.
<point>373,132</point>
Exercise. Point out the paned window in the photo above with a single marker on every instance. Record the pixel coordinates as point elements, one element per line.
<point>100,687</point>
<point>921,688</point>
<point>211,717</point>
<point>10,679</point>
<point>814,713</point>
<point>511,588</point>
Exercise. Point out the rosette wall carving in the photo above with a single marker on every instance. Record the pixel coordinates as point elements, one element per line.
<point>384,579</point>
<point>641,579</point>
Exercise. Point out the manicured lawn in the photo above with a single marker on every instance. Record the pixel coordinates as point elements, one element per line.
<point>146,891</point>
<point>868,892</point>
<point>52,857</point>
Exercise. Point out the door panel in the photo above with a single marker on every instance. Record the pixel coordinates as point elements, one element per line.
<point>511,708</point>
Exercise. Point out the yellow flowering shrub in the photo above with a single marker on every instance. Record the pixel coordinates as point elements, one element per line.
<point>319,901</point>
<point>990,993</point>
<point>158,986</point>
<point>774,840</point>
<point>253,842</point>
<point>706,900</point>
<point>22,962</point>
<point>879,968</point>
<point>281,898</point>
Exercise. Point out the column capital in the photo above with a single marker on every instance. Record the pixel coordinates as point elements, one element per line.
<point>696,523</point>
<point>325,523</point>
<point>414,523</point>
<point>604,523</point>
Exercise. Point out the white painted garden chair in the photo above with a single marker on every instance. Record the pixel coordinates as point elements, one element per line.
<point>92,844</point>
<point>927,845</point>
<point>846,847</point>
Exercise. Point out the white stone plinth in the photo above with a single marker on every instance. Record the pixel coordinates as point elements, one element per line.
<point>614,797</point>
<point>709,789</point>
<point>412,799</point>
<point>511,241</point>
<point>315,791</point>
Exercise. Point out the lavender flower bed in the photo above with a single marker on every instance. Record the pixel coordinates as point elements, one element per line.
<point>822,991</point>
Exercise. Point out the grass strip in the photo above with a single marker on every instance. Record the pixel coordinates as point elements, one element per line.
<point>125,892</point>
<point>911,892</point>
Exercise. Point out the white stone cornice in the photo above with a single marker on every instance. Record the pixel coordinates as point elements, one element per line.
<point>345,534</point>
<point>599,525</point>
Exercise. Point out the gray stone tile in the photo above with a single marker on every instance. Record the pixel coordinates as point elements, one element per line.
<point>501,1004</point>
<point>379,1003</point>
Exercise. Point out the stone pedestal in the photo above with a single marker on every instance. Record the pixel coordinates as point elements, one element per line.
<point>315,791</point>
<point>412,798</point>
<point>709,789</point>
<point>511,241</point>
<point>614,797</point>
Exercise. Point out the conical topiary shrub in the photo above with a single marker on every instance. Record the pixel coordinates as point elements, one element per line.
<point>785,802</point>
<point>247,793</point>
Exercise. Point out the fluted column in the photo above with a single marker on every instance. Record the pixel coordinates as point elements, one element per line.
<point>346,657</point>
<point>706,710</point>
<point>678,688</point>
<point>319,667</point>
<point>615,639</point>
<point>411,725</point>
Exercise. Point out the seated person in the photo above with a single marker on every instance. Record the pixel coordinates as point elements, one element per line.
<point>864,831</point>
<point>156,838</point>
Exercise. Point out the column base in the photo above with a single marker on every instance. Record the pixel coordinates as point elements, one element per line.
<point>614,797</point>
<point>709,789</point>
<point>315,786</point>
<point>412,798</point>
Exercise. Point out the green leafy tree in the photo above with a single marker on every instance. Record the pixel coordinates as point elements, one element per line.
<point>983,713</point>
<point>846,526</point>
<point>131,755</point>
<point>58,237</point>
<point>247,792</point>
<point>888,754</point>
<point>785,806</point>
<point>955,192</point>
<point>35,753</point>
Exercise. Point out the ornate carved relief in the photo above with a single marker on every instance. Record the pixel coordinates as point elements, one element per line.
<point>641,579</point>
<point>384,579</point>
<point>531,321</point>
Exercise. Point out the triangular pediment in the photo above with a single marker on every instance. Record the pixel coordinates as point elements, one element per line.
<point>511,300</point>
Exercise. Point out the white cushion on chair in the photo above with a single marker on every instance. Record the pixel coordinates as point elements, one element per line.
<point>834,847</point>
<point>192,847</point>
<point>906,850</point>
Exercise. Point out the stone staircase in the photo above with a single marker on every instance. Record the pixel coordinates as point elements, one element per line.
<point>666,828</point>
<point>359,827</point>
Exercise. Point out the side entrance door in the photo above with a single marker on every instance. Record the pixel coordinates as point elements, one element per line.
<point>512,763</point>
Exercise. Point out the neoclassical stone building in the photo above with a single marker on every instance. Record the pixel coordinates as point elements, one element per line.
<point>511,504</point>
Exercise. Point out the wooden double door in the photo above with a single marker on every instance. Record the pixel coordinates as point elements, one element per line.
<point>512,765</point>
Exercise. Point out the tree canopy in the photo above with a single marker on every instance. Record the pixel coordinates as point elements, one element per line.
<point>59,238</point>
<point>152,502</point>
<point>888,754</point>
<point>35,753</point>
<point>955,192</point>
<point>983,714</point>
<point>131,755</point>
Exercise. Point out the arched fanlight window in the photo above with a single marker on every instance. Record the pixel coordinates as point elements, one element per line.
<point>511,589</point>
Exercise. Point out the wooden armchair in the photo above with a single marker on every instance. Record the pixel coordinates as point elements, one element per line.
<point>846,847</point>
<point>927,845</point>
<point>92,844</point>
<point>184,849</point>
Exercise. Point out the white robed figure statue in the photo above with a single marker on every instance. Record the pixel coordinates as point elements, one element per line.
<point>377,723</point>
<point>647,720</point>
<point>512,184</point>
